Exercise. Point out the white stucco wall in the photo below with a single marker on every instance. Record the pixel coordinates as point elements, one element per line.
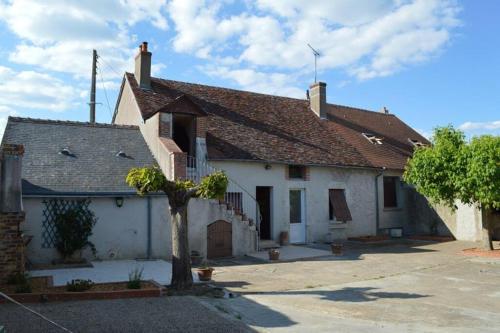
<point>201,213</point>
<point>128,114</point>
<point>121,232</point>
<point>396,217</point>
<point>359,187</point>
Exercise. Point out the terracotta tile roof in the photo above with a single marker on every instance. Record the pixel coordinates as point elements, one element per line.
<point>250,126</point>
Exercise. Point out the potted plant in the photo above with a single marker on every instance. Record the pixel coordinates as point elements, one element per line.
<point>196,258</point>
<point>205,272</point>
<point>284,238</point>
<point>337,248</point>
<point>274,254</point>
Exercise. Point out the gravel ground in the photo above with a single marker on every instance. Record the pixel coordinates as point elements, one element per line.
<point>163,314</point>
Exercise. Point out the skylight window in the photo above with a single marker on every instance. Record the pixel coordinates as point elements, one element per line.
<point>416,143</point>
<point>66,152</point>
<point>373,138</point>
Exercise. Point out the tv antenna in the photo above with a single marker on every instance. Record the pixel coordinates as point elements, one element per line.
<point>316,55</point>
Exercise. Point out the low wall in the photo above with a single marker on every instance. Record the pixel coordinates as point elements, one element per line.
<point>465,223</point>
<point>122,232</point>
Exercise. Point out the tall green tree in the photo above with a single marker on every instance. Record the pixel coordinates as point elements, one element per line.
<point>452,169</point>
<point>151,179</point>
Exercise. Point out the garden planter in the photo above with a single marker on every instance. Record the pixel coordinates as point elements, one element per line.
<point>337,249</point>
<point>274,254</point>
<point>284,238</point>
<point>205,274</point>
<point>196,258</point>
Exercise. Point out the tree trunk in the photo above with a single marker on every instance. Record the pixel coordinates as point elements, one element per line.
<point>487,239</point>
<point>182,277</point>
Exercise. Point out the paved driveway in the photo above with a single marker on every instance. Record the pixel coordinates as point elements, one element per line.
<point>406,287</point>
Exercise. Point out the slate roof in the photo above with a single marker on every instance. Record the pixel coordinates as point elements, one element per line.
<point>94,168</point>
<point>257,127</point>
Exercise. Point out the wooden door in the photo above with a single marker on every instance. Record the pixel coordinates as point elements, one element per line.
<point>220,240</point>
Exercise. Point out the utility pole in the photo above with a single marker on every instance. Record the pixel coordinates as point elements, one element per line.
<point>92,87</point>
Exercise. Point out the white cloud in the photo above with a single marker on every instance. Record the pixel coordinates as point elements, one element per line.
<point>365,38</point>
<point>251,80</point>
<point>5,112</point>
<point>60,35</point>
<point>34,90</point>
<point>480,126</point>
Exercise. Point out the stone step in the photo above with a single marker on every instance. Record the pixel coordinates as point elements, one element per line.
<point>268,244</point>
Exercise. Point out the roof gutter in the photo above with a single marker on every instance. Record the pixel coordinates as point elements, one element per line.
<point>308,164</point>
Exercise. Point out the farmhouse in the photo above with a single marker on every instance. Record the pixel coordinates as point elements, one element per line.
<point>315,170</point>
<point>300,170</point>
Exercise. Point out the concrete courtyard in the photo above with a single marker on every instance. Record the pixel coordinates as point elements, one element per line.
<point>404,286</point>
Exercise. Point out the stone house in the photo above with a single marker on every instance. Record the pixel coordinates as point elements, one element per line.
<point>315,170</point>
<point>302,169</point>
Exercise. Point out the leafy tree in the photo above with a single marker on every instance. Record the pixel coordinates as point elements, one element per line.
<point>179,192</point>
<point>452,169</point>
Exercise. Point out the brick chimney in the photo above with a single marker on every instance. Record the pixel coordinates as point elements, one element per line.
<point>317,99</point>
<point>10,178</point>
<point>143,67</point>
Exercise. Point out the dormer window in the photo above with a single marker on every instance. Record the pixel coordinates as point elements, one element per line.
<point>416,143</point>
<point>373,138</point>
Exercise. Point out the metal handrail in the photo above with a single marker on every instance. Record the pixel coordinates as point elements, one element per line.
<point>196,169</point>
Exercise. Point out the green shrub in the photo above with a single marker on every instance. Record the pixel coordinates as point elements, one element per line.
<point>74,227</point>
<point>18,279</point>
<point>24,288</point>
<point>134,278</point>
<point>79,285</point>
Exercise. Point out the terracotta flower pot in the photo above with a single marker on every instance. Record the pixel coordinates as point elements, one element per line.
<point>284,238</point>
<point>205,274</point>
<point>337,249</point>
<point>274,254</point>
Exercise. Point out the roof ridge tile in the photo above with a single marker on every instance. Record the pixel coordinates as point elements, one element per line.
<point>69,122</point>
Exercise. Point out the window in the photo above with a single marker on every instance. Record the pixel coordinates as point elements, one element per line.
<point>338,206</point>
<point>373,138</point>
<point>235,199</point>
<point>416,143</point>
<point>390,192</point>
<point>296,172</point>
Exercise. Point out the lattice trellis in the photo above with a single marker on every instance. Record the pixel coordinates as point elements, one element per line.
<point>54,207</point>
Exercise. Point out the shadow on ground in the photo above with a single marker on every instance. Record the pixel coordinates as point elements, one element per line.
<point>347,294</point>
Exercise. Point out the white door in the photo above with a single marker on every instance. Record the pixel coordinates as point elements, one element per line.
<point>297,216</point>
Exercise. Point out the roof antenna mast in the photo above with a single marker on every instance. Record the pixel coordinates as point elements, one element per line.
<point>316,55</point>
<point>92,87</point>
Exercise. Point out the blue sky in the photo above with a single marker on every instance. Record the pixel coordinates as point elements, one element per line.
<point>429,62</point>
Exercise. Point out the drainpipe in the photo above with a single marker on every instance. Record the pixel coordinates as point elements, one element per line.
<point>149,228</point>
<point>377,209</point>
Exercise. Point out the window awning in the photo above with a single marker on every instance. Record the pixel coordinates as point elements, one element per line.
<point>339,204</point>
